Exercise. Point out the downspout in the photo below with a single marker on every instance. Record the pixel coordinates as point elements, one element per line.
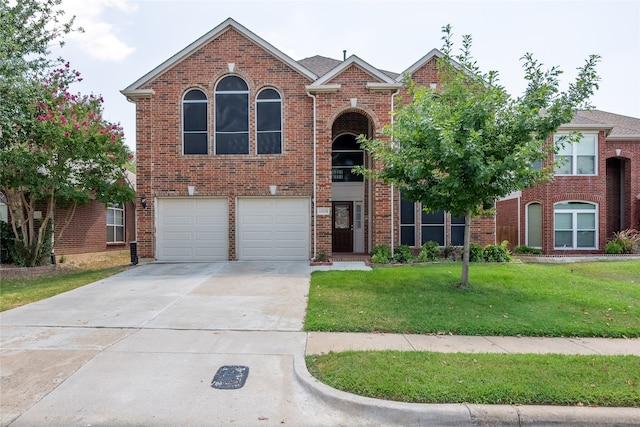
<point>313,201</point>
<point>393,222</point>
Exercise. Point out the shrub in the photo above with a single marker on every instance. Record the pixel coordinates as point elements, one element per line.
<point>403,254</point>
<point>524,250</point>
<point>452,252</point>
<point>475,252</point>
<point>381,254</point>
<point>613,248</point>
<point>628,240</point>
<point>497,253</point>
<point>6,243</point>
<point>430,251</point>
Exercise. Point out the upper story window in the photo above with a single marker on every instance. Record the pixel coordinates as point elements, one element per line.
<point>345,155</point>
<point>575,225</point>
<point>578,158</point>
<point>115,224</point>
<point>195,131</point>
<point>269,122</point>
<point>232,116</point>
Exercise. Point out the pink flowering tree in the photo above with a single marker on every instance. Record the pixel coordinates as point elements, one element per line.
<point>66,156</point>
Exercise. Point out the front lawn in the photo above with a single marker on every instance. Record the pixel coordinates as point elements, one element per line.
<point>595,299</point>
<point>524,379</point>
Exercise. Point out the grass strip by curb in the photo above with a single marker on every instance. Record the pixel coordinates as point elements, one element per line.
<point>516,379</point>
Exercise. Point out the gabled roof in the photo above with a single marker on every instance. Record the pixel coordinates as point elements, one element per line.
<point>620,127</point>
<point>211,35</point>
<point>354,60</point>
<point>434,53</point>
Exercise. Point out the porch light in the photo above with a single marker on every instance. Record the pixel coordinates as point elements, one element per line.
<point>273,189</point>
<point>143,202</point>
<point>191,189</point>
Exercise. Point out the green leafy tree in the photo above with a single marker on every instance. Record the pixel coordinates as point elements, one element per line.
<point>55,147</point>
<point>462,146</point>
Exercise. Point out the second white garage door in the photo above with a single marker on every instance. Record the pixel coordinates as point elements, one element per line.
<point>273,229</point>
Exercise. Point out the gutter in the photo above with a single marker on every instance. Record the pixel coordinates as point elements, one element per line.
<point>314,208</point>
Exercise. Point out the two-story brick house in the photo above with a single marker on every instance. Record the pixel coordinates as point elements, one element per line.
<point>244,153</point>
<point>594,193</point>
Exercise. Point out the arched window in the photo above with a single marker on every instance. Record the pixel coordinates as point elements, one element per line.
<point>575,225</point>
<point>534,225</point>
<point>232,116</point>
<point>269,122</point>
<point>195,132</point>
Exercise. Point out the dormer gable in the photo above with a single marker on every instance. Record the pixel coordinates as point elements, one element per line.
<point>135,90</point>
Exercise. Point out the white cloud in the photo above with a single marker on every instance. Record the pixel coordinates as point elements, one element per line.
<point>100,38</point>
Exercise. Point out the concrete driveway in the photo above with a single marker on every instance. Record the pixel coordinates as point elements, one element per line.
<point>142,348</point>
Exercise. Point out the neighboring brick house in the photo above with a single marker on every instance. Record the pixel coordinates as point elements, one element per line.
<point>593,194</point>
<point>245,154</point>
<point>92,228</point>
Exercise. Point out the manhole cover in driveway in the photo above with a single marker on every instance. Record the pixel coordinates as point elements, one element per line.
<point>230,377</point>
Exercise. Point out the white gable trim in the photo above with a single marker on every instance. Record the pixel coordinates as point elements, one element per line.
<point>211,35</point>
<point>353,60</point>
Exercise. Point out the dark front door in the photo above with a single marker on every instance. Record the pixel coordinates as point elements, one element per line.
<point>342,226</point>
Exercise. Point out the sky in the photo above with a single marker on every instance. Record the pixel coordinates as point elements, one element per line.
<point>124,39</point>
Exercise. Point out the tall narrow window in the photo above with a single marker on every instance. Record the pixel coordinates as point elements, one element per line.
<point>195,134</point>
<point>115,224</point>
<point>433,227</point>
<point>457,231</point>
<point>407,222</point>
<point>269,122</point>
<point>575,225</point>
<point>232,116</point>
<point>534,225</point>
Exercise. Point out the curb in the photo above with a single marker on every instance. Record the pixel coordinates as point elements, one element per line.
<point>385,412</point>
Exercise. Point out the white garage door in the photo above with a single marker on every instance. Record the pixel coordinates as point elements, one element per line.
<point>192,229</point>
<point>273,229</point>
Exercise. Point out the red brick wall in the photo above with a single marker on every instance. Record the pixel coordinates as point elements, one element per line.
<point>87,231</point>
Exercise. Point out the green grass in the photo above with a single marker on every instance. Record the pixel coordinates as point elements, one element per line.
<point>18,291</point>
<point>595,299</point>
<point>528,379</point>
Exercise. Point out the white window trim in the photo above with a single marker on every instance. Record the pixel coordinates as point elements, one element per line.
<point>120,208</point>
<point>575,225</point>
<point>574,156</point>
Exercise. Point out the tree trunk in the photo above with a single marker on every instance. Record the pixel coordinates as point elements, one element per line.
<point>464,279</point>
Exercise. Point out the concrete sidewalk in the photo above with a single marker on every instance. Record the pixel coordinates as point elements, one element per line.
<point>325,342</point>
<point>142,347</point>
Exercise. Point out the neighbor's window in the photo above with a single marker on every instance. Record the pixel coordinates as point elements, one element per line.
<point>115,224</point>
<point>232,116</point>
<point>407,222</point>
<point>578,158</point>
<point>269,122</point>
<point>575,225</point>
<point>534,225</point>
<point>433,227</point>
<point>195,132</point>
